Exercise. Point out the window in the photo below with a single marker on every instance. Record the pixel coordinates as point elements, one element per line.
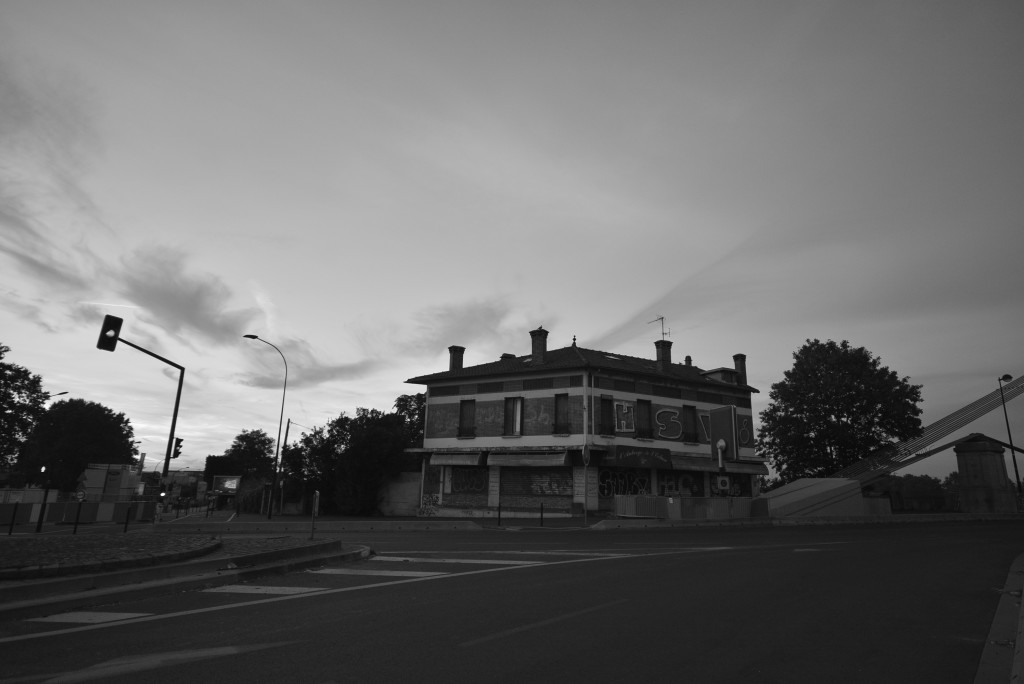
<point>513,417</point>
<point>644,429</point>
<point>467,418</point>
<point>690,424</point>
<point>606,424</point>
<point>562,426</point>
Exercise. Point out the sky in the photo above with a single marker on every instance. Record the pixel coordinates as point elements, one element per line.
<point>364,183</point>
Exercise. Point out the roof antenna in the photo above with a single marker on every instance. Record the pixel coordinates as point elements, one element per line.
<point>664,334</point>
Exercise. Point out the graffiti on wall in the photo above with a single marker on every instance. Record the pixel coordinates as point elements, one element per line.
<point>469,480</point>
<point>668,424</point>
<point>612,482</point>
<point>625,412</point>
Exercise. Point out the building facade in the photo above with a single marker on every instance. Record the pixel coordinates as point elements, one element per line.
<point>562,429</point>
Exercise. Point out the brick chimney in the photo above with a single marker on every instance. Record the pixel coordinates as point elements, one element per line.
<point>455,353</point>
<point>540,344</point>
<point>664,350</point>
<point>740,361</point>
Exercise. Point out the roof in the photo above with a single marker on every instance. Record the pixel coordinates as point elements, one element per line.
<point>577,358</point>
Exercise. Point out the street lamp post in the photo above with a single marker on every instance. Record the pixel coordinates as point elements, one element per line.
<point>277,447</point>
<point>1013,452</point>
<point>46,495</point>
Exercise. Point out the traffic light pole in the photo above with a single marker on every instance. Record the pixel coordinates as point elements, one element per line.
<point>177,399</point>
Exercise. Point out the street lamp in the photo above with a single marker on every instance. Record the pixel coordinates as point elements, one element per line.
<point>277,447</point>
<point>1013,452</point>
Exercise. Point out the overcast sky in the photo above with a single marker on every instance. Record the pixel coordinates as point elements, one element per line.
<point>364,184</point>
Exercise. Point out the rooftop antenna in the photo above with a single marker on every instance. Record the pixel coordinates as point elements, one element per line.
<point>664,334</point>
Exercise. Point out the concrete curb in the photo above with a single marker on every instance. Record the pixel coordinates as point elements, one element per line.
<point>326,527</point>
<point>1004,647</point>
<point>84,591</point>
<point>108,565</point>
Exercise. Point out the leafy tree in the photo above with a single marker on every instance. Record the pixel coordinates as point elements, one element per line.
<point>251,455</point>
<point>835,406</point>
<point>413,407</point>
<point>69,436</point>
<point>314,458</point>
<point>22,403</point>
<point>376,443</point>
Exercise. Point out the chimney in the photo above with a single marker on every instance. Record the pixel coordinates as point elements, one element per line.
<point>688,361</point>
<point>455,353</point>
<point>740,361</point>
<point>664,349</point>
<point>540,344</point>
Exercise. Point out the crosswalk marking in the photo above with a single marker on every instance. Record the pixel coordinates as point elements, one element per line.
<point>256,589</point>
<point>90,617</point>
<point>376,573</point>
<point>474,561</point>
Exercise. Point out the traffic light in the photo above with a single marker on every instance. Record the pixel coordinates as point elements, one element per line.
<point>177,447</point>
<point>109,332</point>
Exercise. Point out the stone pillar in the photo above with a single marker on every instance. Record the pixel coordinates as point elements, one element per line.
<point>984,485</point>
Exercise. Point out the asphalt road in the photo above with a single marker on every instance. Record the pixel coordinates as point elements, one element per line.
<point>901,604</point>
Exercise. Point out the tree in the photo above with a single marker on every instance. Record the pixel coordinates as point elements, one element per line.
<point>313,460</point>
<point>835,406</point>
<point>376,443</point>
<point>69,436</point>
<point>22,403</point>
<point>251,455</point>
<point>413,407</point>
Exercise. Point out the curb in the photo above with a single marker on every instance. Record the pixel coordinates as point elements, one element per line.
<point>1004,646</point>
<point>108,565</point>
<point>326,527</point>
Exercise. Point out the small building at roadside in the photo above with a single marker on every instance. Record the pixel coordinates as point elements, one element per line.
<point>558,430</point>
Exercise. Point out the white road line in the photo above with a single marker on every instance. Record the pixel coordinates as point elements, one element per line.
<point>542,623</point>
<point>377,573</point>
<point>476,561</point>
<point>275,599</point>
<point>89,617</point>
<point>256,589</point>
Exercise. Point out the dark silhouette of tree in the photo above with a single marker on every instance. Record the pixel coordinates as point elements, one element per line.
<point>835,406</point>
<point>22,403</point>
<point>69,436</point>
<point>251,455</point>
<point>373,456</point>
<point>413,407</point>
<point>350,460</point>
<point>313,459</point>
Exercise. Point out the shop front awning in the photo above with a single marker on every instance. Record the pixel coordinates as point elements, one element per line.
<point>456,458</point>
<point>535,459</point>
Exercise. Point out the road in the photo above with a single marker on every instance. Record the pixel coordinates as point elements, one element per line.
<point>808,604</point>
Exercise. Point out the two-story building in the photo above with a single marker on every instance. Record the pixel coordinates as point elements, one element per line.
<point>564,428</point>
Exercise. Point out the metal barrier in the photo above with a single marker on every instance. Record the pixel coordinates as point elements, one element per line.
<point>641,506</point>
<point>682,508</point>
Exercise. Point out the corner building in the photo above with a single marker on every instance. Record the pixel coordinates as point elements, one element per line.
<point>567,428</point>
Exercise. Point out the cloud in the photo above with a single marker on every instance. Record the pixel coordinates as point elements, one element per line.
<point>305,369</point>
<point>485,322</point>
<point>184,304</point>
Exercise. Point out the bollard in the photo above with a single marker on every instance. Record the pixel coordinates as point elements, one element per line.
<point>14,516</point>
<point>78,512</point>
<point>542,514</point>
<point>127,515</point>
<point>499,514</point>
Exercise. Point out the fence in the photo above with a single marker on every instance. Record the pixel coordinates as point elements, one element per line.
<point>682,508</point>
<point>74,511</point>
